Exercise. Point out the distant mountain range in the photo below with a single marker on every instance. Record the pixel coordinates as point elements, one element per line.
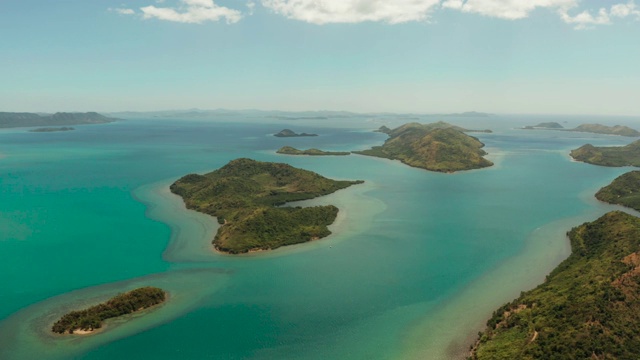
<point>12,120</point>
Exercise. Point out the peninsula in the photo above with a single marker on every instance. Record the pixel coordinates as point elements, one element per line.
<point>88,320</point>
<point>10,120</point>
<point>288,150</point>
<point>291,133</point>
<point>628,155</point>
<point>247,197</point>
<point>52,129</point>
<point>624,190</point>
<point>437,147</point>
<point>588,307</point>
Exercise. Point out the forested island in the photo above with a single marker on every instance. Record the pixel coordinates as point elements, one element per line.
<point>10,119</point>
<point>247,197</point>
<point>288,150</point>
<point>588,307</point>
<point>628,155</point>
<point>52,129</point>
<point>624,190</point>
<point>437,147</point>
<point>291,133</point>
<point>589,128</point>
<point>88,320</point>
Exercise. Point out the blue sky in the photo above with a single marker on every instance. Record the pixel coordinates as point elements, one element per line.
<point>426,56</point>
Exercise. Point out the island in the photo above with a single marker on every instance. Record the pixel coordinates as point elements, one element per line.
<point>247,197</point>
<point>545,125</point>
<point>10,120</point>
<point>288,150</point>
<point>437,147</point>
<point>90,319</point>
<point>588,307</point>
<point>624,190</point>
<point>589,128</point>
<point>614,156</point>
<point>291,133</point>
<point>52,129</point>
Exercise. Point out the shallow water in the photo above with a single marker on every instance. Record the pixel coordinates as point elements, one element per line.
<point>417,262</point>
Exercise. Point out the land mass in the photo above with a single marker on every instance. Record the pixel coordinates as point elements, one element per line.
<point>52,129</point>
<point>545,125</point>
<point>624,190</point>
<point>247,197</point>
<point>628,155</point>
<point>291,133</point>
<point>88,320</point>
<point>437,147</point>
<point>9,119</point>
<point>588,307</point>
<point>589,128</point>
<point>288,150</point>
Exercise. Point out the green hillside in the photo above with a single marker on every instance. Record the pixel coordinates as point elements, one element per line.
<point>588,308</point>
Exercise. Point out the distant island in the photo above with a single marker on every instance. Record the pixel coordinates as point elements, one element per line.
<point>247,197</point>
<point>624,190</point>
<point>437,147</point>
<point>9,119</point>
<point>88,320</point>
<point>545,125</point>
<point>589,128</point>
<point>52,129</point>
<point>628,155</point>
<point>290,133</point>
<point>588,308</point>
<point>288,150</point>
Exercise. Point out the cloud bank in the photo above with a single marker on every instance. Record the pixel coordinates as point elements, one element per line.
<point>389,11</point>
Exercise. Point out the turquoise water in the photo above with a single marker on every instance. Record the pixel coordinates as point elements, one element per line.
<point>417,262</point>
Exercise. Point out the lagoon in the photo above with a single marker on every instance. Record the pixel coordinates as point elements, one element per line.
<point>417,262</point>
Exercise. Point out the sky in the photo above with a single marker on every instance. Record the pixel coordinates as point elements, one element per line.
<point>409,56</point>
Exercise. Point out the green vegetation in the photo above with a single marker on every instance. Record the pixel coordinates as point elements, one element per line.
<point>609,130</point>
<point>288,150</point>
<point>628,155</point>
<point>92,318</point>
<point>291,133</point>
<point>437,147</point>
<point>9,120</point>
<point>245,195</point>
<point>624,190</point>
<point>588,307</point>
<point>545,125</point>
<point>52,129</point>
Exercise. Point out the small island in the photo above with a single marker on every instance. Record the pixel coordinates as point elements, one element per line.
<point>615,156</point>
<point>52,129</point>
<point>588,307</point>
<point>288,150</point>
<point>88,320</point>
<point>545,126</point>
<point>437,147</point>
<point>291,133</point>
<point>624,190</point>
<point>247,197</point>
<point>588,128</point>
<point>11,120</point>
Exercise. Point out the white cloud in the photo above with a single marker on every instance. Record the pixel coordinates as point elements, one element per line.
<point>585,20</point>
<point>507,9</point>
<point>192,11</point>
<point>353,11</point>
<point>123,11</point>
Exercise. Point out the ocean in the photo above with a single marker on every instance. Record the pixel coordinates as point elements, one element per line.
<point>416,263</point>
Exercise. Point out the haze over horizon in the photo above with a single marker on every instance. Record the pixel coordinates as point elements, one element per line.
<point>412,56</point>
